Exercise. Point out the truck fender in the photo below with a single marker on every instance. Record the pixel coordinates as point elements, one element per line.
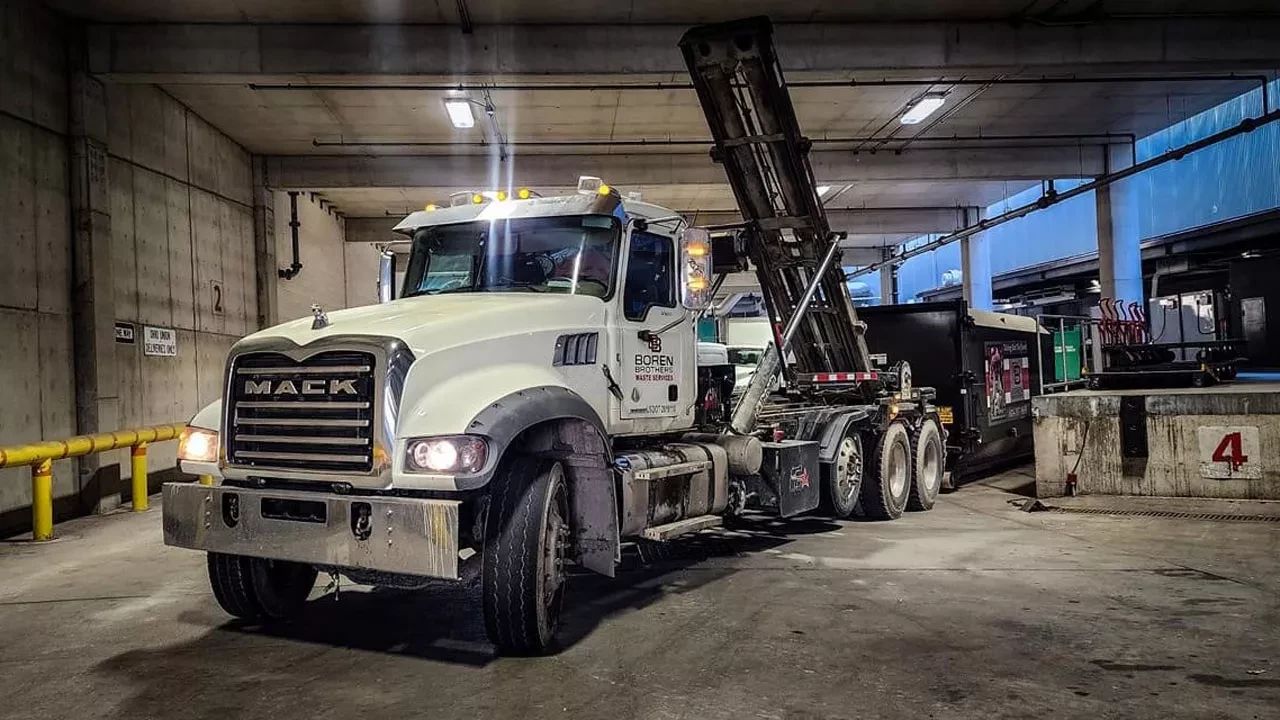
<point>575,434</point>
<point>835,431</point>
<point>208,418</point>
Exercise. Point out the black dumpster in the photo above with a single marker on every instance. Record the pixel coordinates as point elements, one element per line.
<point>984,366</point>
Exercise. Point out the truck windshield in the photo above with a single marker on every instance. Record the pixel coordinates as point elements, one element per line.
<point>568,255</point>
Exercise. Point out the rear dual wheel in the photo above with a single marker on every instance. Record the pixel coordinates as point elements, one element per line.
<point>929,459</point>
<point>887,486</point>
<point>842,479</point>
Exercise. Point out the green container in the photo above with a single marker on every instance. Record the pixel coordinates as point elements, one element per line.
<point>1068,348</point>
<point>707,330</point>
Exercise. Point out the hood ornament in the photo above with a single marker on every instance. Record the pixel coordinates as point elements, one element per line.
<point>321,320</point>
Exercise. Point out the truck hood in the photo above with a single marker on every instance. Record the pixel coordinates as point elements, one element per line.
<point>434,322</point>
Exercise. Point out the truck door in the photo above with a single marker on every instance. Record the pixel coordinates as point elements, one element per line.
<point>655,372</point>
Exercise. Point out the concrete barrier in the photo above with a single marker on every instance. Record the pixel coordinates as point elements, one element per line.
<point>1221,442</point>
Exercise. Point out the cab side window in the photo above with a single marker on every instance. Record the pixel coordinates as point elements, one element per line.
<point>650,275</point>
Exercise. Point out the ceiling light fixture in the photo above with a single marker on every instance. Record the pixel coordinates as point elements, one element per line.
<point>823,190</point>
<point>921,109</point>
<point>460,113</point>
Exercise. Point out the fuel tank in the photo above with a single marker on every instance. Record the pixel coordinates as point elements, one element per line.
<point>672,482</point>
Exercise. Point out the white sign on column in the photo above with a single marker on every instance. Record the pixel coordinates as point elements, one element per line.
<point>159,342</point>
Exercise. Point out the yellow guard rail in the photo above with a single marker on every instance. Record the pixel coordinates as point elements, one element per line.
<point>40,457</point>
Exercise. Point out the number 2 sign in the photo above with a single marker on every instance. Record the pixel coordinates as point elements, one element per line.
<point>1230,452</point>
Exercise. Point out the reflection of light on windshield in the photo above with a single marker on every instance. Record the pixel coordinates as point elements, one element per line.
<point>577,265</point>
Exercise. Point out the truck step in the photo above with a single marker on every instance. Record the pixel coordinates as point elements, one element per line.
<point>681,527</point>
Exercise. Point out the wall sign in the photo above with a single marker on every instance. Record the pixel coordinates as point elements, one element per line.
<point>219,297</point>
<point>124,333</point>
<point>159,342</point>
<point>1228,453</point>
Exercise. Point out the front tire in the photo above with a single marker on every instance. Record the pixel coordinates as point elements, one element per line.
<point>526,543</point>
<point>260,590</point>
<point>929,458</point>
<point>842,479</point>
<point>885,490</point>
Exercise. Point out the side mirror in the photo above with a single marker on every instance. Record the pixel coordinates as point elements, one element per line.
<point>695,269</point>
<point>386,276</point>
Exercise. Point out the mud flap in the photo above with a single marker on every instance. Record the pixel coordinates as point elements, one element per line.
<point>790,474</point>
<point>593,501</point>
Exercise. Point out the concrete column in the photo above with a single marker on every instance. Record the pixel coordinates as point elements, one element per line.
<point>264,243</point>
<point>93,290</point>
<point>975,265</point>
<point>888,283</point>
<point>1119,249</point>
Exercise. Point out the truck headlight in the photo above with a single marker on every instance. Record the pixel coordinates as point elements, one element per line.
<point>459,454</point>
<point>198,445</point>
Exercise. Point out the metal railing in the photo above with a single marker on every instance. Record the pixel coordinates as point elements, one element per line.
<point>1058,325</point>
<point>40,457</point>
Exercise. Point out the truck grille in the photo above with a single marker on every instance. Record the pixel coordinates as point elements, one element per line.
<point>317,414</point>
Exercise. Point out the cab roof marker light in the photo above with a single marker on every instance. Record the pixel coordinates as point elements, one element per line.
<point>590,185</point>
<point>460,113</point>
<point>921,109</point>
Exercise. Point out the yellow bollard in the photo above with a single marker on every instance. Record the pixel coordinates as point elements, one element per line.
<point>42,501</point>
<point>206,479</point>
<point>140,477</point>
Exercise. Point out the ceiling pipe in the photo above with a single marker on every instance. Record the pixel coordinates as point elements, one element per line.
<point>1103,138</point>
<point>1247,125</point>
<point>851,83</point>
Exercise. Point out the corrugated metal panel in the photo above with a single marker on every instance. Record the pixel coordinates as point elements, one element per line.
<point>1235,178</point>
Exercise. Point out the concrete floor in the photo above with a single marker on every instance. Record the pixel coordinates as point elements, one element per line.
<point>975,610</point>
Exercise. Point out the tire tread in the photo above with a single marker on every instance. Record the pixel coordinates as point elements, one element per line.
<point>917,499</point>
<point>875,497</point>
<point>509,575</point>
<point>232,586</point>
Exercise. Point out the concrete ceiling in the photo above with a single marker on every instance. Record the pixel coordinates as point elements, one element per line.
<point>356,110</point>
<point>290,120</point>
<point>648,11</point>
<point>402,122</point>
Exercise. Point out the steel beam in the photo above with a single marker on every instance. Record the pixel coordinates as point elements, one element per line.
<point>319,172</point>
<point>865,221</point>
<point>290,53</point>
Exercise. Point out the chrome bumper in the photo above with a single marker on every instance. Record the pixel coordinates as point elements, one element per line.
<point>401,535</point>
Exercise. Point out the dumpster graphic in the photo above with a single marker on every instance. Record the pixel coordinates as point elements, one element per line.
<point>1008,381</point>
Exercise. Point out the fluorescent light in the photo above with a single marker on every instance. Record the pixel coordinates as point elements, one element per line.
<point>460,113</point>
<point>921,109</point>
<point>823,190</point>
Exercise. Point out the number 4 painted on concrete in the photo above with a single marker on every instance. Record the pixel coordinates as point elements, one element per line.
<point>1229,451</point>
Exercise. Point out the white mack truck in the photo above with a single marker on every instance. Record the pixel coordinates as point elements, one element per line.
<point>534,397</point>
